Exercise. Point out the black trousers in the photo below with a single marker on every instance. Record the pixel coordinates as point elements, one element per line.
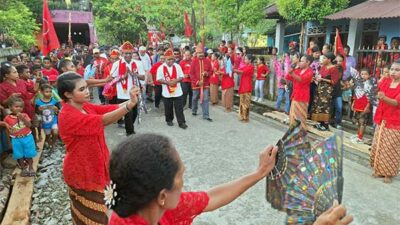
<point>157,95</point>
<point>129,118</point>
<point>187,90</point>
<point>169,105</point>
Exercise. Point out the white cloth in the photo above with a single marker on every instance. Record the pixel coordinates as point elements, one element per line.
<point>179,74</point>
<point>146,61</point>
<point>115,72</point>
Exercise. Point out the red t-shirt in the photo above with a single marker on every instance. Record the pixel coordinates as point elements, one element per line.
<point>7,89</point>
<point>191,204</point>
<point>359,104</point>
<point>50,73</point>
<point>214,79</point>
<point>153,72</point>
<point>18,127</point>
<point>301,89</point>
<point>262,69</point>
<point>185,65</point>
<point>87,156</point>
<point>391,114</point>
<point>246,79</point>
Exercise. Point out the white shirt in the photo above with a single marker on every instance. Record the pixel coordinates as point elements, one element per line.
<point>179,74</point>
<point>121,94</point>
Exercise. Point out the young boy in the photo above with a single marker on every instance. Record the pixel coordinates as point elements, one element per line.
<point>48,108</point>
<point>364,100</point>
<point>22,141</point>
<point>48,69</point>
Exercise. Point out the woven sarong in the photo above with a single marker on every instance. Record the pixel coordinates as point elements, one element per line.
<point>298,111</point>
<point>214,94</point>
<point>227,99</point>
<point>321,108</point>
<point>87,208</point>
<point>244,107</point>
<point>385,151</point>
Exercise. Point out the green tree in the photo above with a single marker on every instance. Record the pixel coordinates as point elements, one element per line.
<point>18,22</point>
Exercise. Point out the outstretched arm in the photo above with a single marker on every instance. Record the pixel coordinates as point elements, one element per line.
<point>226,193</point>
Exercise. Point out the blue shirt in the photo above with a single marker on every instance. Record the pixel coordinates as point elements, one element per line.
<point>49,116</point>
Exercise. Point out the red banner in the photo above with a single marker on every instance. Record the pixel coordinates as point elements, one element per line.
<point>188,28</point>
<point>49,36</point>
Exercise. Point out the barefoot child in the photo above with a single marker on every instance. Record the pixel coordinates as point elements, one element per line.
<point>22,142</point>
<point>48,108</point>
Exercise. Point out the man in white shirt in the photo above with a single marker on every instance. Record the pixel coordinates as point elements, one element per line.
<point>128,72</point>
<point>170,75</point>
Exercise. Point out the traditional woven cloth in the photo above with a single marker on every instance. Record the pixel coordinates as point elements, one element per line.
<point>244,107</point>
<point>385,151</point>
<point>298,111</point>
<point>214,93</point>
<point>227,99</point>
<point>87,207</point>
<point>322,103</point>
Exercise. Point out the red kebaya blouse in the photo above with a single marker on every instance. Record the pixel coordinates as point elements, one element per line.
<point>87,155</point>
<point>301,89</point>
<point>391,114</point>
<point>226,80</point>
<point>214,79</point>
<point>191,204</point>
<point>246,79</point>
<point>7,89</point>
<point>330,73</point>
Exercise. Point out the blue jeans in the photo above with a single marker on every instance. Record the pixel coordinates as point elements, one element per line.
<point>259,89</point>
<point>338,101</point>
<point>204,104</point>
<point>283,93</point>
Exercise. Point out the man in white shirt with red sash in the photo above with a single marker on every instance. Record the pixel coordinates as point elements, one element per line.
<point>128,72</point>
<point>170,75</point>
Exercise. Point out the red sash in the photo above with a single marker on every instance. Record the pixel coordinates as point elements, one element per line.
<point>122,72</point>
<point>168,77</point>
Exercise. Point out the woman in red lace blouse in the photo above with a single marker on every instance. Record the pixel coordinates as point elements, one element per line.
<point>385,154</point>
<point>146,185</point>
<point>81,126</point>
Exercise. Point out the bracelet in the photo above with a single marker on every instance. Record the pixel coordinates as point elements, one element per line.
<point>127,108</point>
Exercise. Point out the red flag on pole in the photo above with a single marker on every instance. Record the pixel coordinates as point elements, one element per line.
<point>188,28</point>
<point>50,40</point>
<point>339,48</point>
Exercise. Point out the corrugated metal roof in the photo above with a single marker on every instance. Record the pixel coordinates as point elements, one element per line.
<point>372,9</point>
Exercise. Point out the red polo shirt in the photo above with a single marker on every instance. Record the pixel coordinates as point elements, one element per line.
<point>185,65</point>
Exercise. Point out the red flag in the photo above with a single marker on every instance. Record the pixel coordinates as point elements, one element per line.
<point>339,48</point>
<point>162,31</point>
<point>188,29</point>
<point>50,40</point>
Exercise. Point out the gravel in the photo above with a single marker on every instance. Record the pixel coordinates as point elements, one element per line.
<point>50,202</point>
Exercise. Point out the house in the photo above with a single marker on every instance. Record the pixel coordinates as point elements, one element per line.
<point>80,15</point>
<point>359,25</point>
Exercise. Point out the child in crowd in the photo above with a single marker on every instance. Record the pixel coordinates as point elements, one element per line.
<point>262,73</point>
<point>48,69</point>
<point>385,72</point>
<point>48,108</point>
<point>363,102</point>
<point>22,141</point>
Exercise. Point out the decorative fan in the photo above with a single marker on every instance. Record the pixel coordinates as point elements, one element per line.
<point>291,148</point>
<point>305,182</point>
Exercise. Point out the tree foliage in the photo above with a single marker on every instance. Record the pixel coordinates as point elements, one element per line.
<point>18,22</point>
<point>305,10</point>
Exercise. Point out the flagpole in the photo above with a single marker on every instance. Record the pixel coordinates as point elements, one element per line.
<point>69,29</point>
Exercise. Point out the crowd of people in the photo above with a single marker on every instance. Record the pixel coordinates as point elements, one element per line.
<point>51,95</point>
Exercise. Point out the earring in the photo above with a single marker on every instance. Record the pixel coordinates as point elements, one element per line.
<point>162,203</point>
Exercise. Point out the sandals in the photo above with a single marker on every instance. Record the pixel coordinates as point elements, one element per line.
<point>25,172</point>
